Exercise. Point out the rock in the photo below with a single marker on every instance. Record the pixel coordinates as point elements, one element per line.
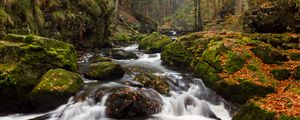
<point>97,58</point>
<point>272,16</point>
<point>121,54</point>
<point>105,71</point>
<point>24,59</point>
<point>128,103</point>
<point>297,73</point>
<point>154,43</point>
<point>55,88</point>
<point>281,74</point>
<point>149,80</point>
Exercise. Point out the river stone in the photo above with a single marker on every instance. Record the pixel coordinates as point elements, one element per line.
<point>121,54</point>
<point>149,80</point>
<point>55,88</point>
<point>128,103</point>
<point>105,71</point>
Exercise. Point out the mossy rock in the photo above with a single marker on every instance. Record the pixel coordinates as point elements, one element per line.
<point>281,74</point>
<point>97,58</point>
<point>55,88</point>
<point>152,81</point>
<point>297,73</point>
<point>295,56</point>
<point>176,54</point>
<point>105,71</point>
<point>269,55</point>
<point>154,43</point>
<point>213,53</point>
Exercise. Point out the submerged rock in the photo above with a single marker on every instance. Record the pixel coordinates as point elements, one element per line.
<point>55,88</point>
<point>154,43</point>
<point>128,103</point>
<point>24,59</point>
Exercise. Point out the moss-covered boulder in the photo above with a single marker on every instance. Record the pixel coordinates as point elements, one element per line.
<point>55,88</point>
<point>24,59</point>
<point>107,70</point>
<point>149,80</point>
<point>154,43</point>
<point>128,103</point>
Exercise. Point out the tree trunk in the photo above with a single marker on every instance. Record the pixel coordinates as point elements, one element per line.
<point>238,7</point>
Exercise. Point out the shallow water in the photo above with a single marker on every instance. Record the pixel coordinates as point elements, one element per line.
<point>189,98</point>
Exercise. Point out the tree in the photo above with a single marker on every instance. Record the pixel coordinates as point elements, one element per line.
<point>198,19</point>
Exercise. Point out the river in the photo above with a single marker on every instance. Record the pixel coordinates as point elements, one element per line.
<point>184,87</point>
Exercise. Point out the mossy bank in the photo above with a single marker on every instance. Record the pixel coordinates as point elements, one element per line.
<point>239,66</point>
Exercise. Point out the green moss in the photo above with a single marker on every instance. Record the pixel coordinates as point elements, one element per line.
<point>59,16</point>
<point>213,53</point>
<point>151,81</point>
<point>59,81</point>
<point>55,88</point>
<point>253,66</point>
<point>281,74</point>
<point>105,71</point>
<point>155,42</point>
<point>269,55</point>
<point>177,54</point>
<point>246,87</point>
<point>251,111</point>
<point>295,56</point>
<point>234,62</point>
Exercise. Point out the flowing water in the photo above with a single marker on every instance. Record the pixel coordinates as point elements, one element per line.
<point>189,98</point>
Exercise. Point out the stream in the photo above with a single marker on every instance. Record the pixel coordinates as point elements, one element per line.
<point>184,87</point>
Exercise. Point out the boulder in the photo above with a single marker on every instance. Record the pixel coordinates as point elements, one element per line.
<point>24,59</point>
<point>272,16</point>
<point>149,80</point>
<point>55,88</point>
<point>128,103</point>
<point>154,43</point>
<point>121,55</point>
<point>105,71</point>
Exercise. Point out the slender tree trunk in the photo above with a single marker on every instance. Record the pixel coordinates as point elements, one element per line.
<point>238,7</point>
<point>200,27</point>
